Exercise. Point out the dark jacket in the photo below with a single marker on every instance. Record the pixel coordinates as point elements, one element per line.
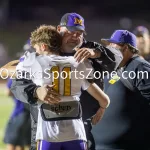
<point>126,123</point>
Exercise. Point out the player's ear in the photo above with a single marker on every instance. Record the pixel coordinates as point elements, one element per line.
<point>43,47</point>
<point>58,28</point>
<point>125,48</point>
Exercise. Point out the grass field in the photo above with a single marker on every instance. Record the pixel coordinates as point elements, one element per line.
<point>6,105</point>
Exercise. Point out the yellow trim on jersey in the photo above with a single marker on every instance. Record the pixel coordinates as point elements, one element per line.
<point>37,145</point>
<point>67,81</point>
<point>55,71</point>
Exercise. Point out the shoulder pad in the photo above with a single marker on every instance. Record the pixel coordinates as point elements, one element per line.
<point>29,58</point>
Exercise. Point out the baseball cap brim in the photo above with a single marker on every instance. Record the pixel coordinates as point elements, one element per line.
<point>108,41</point>
<point>76,28</point>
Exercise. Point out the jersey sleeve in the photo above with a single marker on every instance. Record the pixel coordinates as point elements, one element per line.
<point>88,70</point>
<point>20,67</point>
<point>85,84</point>
<point>29,67</point>
<point>22,72</point>
<point>88,75</point>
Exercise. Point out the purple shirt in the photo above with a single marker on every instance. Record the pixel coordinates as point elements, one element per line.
<point>19,106</point>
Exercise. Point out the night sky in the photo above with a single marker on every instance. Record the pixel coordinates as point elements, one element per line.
<point>101,7</point>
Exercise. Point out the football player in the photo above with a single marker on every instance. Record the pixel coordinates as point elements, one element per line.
<point>60,124</point>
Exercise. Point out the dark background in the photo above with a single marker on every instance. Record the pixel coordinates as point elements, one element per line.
<point>101,7</point>
<point>19,17</point>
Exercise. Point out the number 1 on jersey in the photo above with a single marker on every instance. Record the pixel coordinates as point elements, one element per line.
<point>55,69</point>
<point>67,80</point>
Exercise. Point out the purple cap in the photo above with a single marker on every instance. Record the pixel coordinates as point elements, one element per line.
<point>73,22</point>
<point>140,31</point>
<point>122,37</point>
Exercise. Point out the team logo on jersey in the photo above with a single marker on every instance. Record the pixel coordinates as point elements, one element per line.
<point>114,79</point>
<point>58,109</point>
<point>78,21</point>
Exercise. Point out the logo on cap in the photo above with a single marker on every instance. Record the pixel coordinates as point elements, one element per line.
<point>78,21</point>
<point>63,24</point>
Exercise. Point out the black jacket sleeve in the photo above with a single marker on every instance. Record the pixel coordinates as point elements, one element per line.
<point>142,80</point>
<point>110,57</point>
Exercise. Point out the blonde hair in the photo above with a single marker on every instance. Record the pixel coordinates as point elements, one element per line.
<point>48,35</point>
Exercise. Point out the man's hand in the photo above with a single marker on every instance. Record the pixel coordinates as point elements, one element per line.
<point>11,63</point>
<point>9,69</point>
<point>47,95</point>
<point>85,53</point>
<point>98,116</point>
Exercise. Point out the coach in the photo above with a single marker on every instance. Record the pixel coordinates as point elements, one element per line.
<point>126,123</point>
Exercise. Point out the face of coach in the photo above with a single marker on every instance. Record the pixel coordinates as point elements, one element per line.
<point>125,42</point>
<point>72,30</point>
